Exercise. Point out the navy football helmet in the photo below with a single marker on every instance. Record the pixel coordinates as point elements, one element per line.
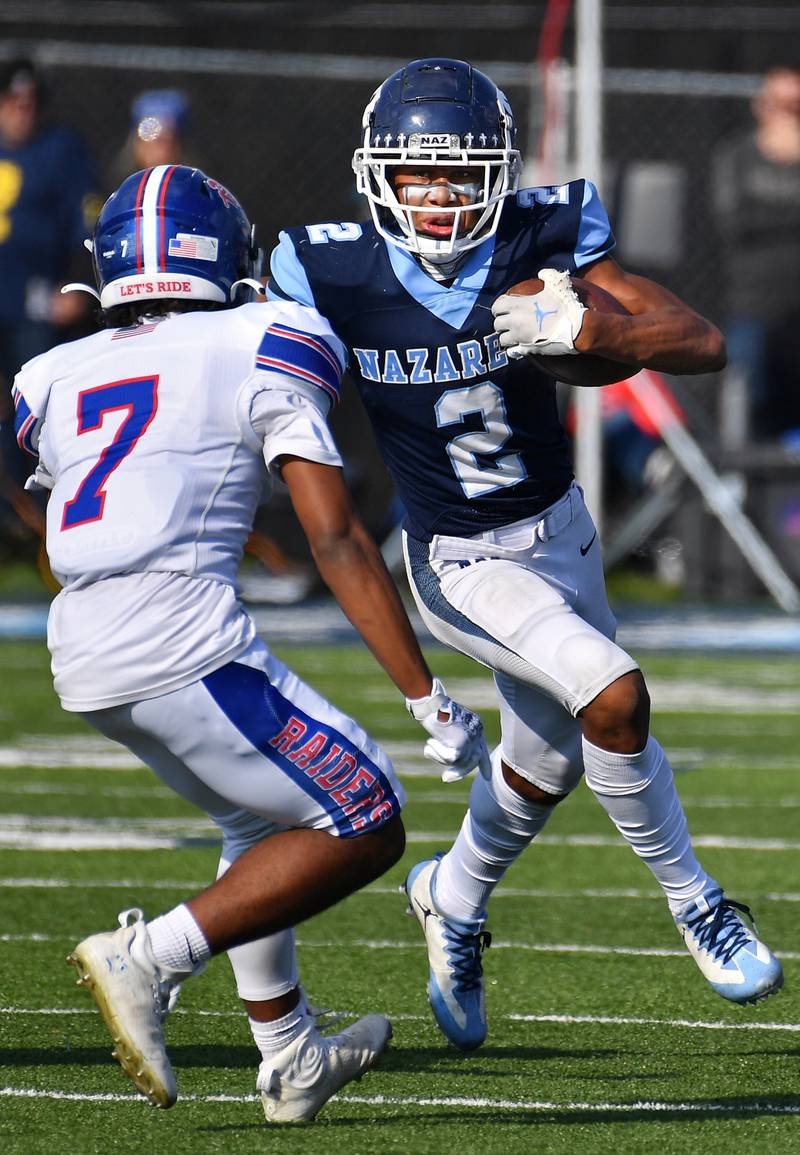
<point>437,112</point>
<point>171,232</point>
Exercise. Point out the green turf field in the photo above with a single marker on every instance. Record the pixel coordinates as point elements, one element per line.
<point>603,1034</point>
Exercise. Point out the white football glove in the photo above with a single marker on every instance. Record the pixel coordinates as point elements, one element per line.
<point>456,740</point>
<point>545,324</point>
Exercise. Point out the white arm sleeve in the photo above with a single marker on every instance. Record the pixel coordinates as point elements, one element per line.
<point>288,418</point>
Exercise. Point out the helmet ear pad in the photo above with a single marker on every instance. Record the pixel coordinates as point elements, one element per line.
<point>445,113</point>
<point>171,232</point>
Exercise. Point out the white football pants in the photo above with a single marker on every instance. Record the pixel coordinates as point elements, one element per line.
<point>259,751</point>
<point>528,601</point>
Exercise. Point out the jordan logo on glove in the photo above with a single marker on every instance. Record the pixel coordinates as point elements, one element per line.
<point>542,314</point>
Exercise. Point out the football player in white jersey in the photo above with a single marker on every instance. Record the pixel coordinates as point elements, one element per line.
<point>155,438</point>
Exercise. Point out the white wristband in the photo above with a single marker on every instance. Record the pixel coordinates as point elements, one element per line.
<point>420,708</point>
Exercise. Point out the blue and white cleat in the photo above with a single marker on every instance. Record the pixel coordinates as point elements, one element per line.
<point>455,978</point>
<point>737,964</point>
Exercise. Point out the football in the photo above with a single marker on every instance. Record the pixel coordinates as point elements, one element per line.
<point>582,368</point>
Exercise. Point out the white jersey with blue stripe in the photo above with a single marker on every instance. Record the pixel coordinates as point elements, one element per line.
<point>157,441</point>
<point>473,441</point>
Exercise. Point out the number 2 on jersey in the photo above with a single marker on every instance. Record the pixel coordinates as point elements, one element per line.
<point>476,456</point>
<point>137,395</point>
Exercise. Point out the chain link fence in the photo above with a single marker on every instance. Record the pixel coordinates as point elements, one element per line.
<point>279,129</point>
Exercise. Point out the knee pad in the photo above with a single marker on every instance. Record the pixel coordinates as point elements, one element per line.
<point>553,771</point>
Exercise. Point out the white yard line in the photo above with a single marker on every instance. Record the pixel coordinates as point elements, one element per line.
<point>105,884</point>
<point>23,883</point>
<point>431,797</point>
<point>643,1106</point>
<point>537,947</point>
<point>25,831</point>
<point>497,944</point>
<point>567,1020</point>
<point>69,790</point>
<point>615,894</point>
<point>627,1021</point>
<point>690,801</point>
<point>673,695</point>
<point>97,753</point>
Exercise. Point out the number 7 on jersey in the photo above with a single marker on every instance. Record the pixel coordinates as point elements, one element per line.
<point>137,395</point>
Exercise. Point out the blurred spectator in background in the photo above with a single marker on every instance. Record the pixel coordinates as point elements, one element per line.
<point>158,135</point>
<point>756,192</point>
<point>48,205</point>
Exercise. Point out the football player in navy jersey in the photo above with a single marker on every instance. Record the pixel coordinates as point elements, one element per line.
<point>501,552</point>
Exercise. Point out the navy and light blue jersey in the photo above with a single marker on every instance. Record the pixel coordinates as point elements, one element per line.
<point>472,439</point>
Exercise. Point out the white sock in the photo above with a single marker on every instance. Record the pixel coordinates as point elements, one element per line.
<point>638,793</point>
<point>496,829</point>
<point>271,1038</point>
<point>179,945</point>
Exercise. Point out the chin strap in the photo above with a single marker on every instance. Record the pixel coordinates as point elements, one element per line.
<point>251,283</point>
<point>440,270</point>
<point>77,287</point>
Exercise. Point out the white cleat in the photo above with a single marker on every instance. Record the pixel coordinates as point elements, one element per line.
<point>303,1076</point>
<point>124,980</point>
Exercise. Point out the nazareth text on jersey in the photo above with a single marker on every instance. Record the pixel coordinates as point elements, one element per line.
<point>472,440</point>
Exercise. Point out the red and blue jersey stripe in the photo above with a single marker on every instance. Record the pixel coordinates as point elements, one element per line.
<point>24,424</point>
<point>305,356</point>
